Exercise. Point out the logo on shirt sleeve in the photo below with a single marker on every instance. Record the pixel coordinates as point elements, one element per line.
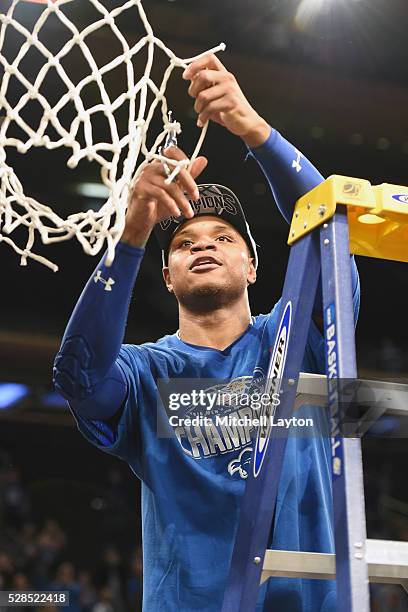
<point>296,162</point>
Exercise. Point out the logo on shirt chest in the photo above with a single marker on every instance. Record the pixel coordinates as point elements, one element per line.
<point>225,427</point>
<point>241,464</point>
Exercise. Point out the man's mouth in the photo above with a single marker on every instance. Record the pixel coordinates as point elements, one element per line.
<point>204,264</point>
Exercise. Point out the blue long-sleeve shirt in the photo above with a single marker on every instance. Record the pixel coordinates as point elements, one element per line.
<point>193,475</point>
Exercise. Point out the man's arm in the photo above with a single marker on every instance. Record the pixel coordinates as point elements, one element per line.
<point>290,175</point>
<point>218,97</point>
<point>86,370</point>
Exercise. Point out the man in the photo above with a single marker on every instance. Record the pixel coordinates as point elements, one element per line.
<point>193,477</point>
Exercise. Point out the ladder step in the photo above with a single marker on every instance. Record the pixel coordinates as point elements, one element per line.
<point>387,562</point>
<point>389,398</point>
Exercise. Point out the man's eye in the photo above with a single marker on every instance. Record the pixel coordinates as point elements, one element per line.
<point>185,243</point>
<point>224,238</point>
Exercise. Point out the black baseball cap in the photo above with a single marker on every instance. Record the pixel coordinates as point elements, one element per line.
<point>215,200</point>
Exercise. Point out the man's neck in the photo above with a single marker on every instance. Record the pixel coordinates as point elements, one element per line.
<point>216,329</point>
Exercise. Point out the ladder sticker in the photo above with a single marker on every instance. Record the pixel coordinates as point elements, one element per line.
<point>401,197</point>
<point>273,385</point>
<point>333,393</point>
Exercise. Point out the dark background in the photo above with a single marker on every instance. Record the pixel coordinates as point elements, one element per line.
<point>336,85</point>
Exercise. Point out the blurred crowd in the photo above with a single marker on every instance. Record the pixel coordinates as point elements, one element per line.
<point>35,557</point>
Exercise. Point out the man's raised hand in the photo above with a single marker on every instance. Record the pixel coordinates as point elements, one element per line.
<point>153,199</point>
<point>218,97</point>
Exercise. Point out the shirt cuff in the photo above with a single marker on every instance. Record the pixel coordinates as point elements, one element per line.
<point>267,147</point>
<point>128,249</point>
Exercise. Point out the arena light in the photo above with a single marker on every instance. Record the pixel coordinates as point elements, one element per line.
<point>307,10</point>
<point>11,393</point>
<point>312,4</point>
<point>92,190</point>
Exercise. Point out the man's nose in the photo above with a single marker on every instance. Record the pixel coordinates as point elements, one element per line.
<point>203,244</point>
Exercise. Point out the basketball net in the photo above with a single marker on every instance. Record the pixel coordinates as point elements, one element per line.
<point>117,158</point>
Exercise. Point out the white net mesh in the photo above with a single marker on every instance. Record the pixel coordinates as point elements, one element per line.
<point>69,120</point>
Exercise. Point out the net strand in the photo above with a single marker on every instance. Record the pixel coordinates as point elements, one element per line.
<point>118,158</point>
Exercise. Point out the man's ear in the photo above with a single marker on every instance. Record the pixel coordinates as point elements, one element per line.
<point>166,278</point>
<point>251,278</point>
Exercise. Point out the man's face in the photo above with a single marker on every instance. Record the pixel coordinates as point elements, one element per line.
<point>209,264</point>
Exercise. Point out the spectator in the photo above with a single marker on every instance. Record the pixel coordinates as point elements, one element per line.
<point>27,542</point>
<point>15,500</point>
<point>65,580</point>
<point>87,597</point>
<point>388,598</point>
<point>112,573</point>
<point>6,570</point>
<point>105,603</point>
<point>50,544</point>
<point>20,582</point>
<point>135,581</point>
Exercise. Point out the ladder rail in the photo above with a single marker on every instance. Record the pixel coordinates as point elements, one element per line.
<point>347,469</point>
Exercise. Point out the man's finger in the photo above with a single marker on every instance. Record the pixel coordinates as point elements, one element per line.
<point>207,96</point>
<point>195,169</point>
<point>174,153</point>
<point>177,154</point>
<point>207,61</point>
<point>172,191</point>
<point>198,166</point>
<point>204,80</point>
<point>164,200</point>
<point>213,109</point>
<point>178,196</point>
<point>188,184</point>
